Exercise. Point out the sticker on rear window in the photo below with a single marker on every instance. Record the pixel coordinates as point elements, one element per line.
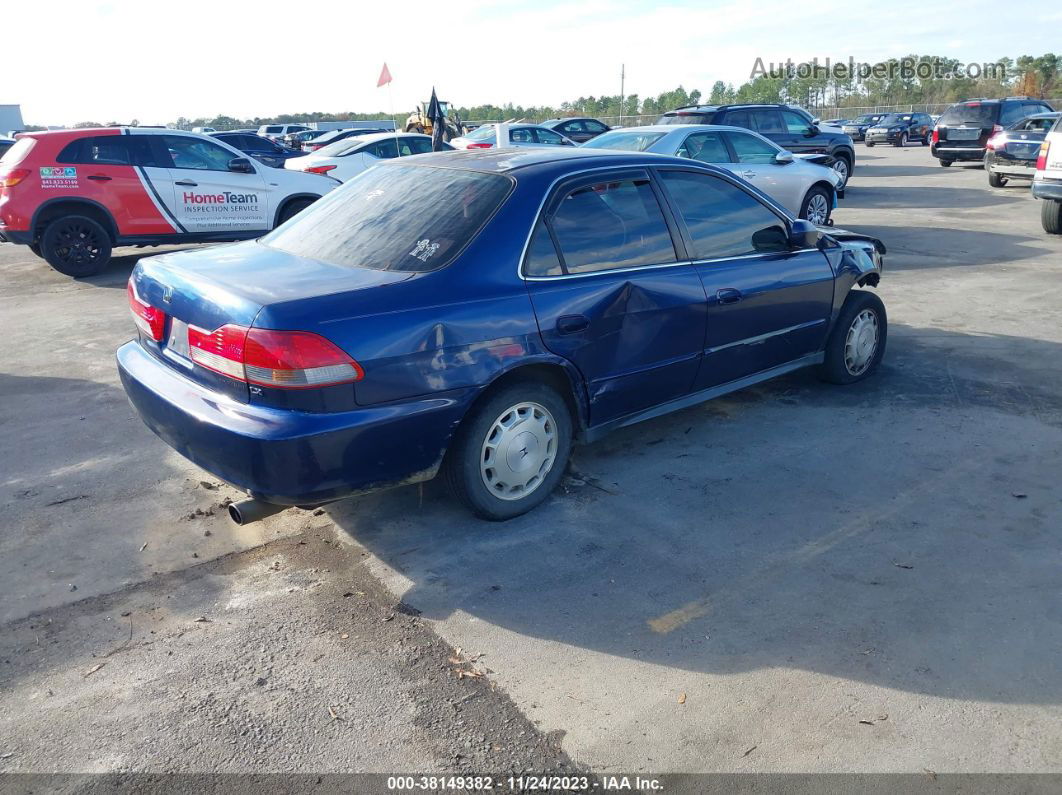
<point>58,177</point>
<point>424,250</point>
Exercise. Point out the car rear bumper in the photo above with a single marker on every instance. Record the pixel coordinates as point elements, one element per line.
<point>290,457</point>
<point>1047,189</point>
<point>945,152</point>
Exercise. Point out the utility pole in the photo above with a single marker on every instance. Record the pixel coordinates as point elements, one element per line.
<point>623,77</point>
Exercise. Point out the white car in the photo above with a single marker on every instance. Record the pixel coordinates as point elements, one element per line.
<point>519,135</point>
<point>808,190</point>
<point>348,157</point>
<point>1047,183</point>
<point>276,132</point>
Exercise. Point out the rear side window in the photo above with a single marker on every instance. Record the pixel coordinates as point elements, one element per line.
<point>395,217</point>
<point>542,259</point>
<point>723,221</point>
<point>767,121</point>
<point>707,147</point>
<point>975,113</point>
<point>612,225</point>
<point>1012,111</point>
<point>108,150</point>
<point>521,135</point>
<point>417,146</point>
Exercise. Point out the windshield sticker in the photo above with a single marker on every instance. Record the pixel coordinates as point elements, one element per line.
<point>424,250</point>
<point>58,177</point>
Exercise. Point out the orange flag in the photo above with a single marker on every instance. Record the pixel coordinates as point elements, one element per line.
<point>385,77</point>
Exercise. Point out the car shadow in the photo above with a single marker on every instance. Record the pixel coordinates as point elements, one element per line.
<point>897,532</point>
<point>921,247</point>
<point>874,172</point>
<point>116,274</point>
<point>927,197</point>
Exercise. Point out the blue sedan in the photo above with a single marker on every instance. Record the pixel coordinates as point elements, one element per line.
<point>476,313</point>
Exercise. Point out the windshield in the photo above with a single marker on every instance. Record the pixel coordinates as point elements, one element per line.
<point>868,119</point>
<point>398,218</point>
<point>972,113</point>
<point>627,141</point>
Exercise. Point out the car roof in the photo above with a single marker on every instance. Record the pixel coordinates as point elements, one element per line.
<point>685,129</point>
<point>83,131</point>
<point>507,160</point>
<point>372,137</point>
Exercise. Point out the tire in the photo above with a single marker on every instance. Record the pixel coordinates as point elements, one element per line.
<point>870,145</point>
<point>293,208</point>
<point>541,410</point>
<point>995,180</point>
<point>848,361</point>
<point>76,245</point>
<point>820,198</point>
<point>901,141</point>
<point>946,163</point>
<point>36,249</point>
<point>928,140</point>
<point>1051,216</point>
<point>846,174</point>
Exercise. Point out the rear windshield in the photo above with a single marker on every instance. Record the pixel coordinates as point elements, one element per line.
<point>274,129</point>
<point>18,151</point>
<point>681,118</point>
<point>341,147</point>
<point>396,218</point>
<point>976,113</point>
<point>481,133</point>
<point>626,141</point>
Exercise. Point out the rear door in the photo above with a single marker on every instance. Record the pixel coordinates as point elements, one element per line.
<point>767,304</point>
<point>120,173</point>
<point>206,197</point>
<point>612,294</point>
<point>755,162</point>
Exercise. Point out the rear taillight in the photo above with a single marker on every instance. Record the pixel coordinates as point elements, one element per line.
<point>1041,159</point>
<point>287,359</point>
<point>9,179</point>
<point>997,141</point>
<point>997,129</point>
<point>936,135</point>
<point>480,146</point>
<point>319,169</point>
<point>150,321</point>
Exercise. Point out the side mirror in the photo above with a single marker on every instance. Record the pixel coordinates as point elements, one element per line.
<point>783,157</point>
<point>241,165</point>
<point>816,122</point>
<point>804,234</point>
<point>812,130</point>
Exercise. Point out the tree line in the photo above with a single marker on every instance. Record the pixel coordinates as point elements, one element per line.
<point>842,87</point>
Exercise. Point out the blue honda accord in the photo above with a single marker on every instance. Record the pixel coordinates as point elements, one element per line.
<point>477,313</point>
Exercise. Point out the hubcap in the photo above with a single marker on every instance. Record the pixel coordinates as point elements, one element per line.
<point>861,343</point>
<point>519,451</point>
<point>77,245</point>
<point>818,209</point>
<point>840,165</point>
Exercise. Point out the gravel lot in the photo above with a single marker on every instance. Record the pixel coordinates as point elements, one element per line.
<point>798,577</point>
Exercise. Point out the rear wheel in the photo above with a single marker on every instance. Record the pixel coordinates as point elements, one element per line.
<point>293,208</point>
<point>843,167</point>
<point>928,139</point>
<point>1051,216</point>
<point>994,179</point>
<point>946,163</point>
<point>511,452</point>
<point>816,206</point>
<point>76,245</point>
<point>902,140</point>
<point>857,342</point>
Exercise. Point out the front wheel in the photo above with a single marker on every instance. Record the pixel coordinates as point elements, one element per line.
<point>857,342</point>
<point>902,140</point>
<point>76,245</point>
<point>928,139</point>
<point>1051,216</point>
<point>36,249</point>
<point>511,452</point>
<point>816,207</point>
<point>946,163</point>
<point>870,145</point>
<point>995,180</point>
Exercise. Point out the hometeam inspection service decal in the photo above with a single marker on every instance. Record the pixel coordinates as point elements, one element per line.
<point>58,177</point>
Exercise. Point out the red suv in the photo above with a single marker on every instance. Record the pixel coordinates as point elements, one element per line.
<point>72,195</point>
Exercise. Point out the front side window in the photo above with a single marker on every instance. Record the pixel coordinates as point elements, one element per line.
<point>548,137</point>
<point>395,217</point>
<point>750,149</point>
<point>385,150</point>
<point>612,225</point>
<point>795,123</point>
<point>595,126</point>
<point>197,154</point>
<point>707,147</point>
<point>723,221</point>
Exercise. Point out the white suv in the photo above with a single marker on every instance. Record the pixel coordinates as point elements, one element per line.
<point>1047,184</point>
<point>276,132</point>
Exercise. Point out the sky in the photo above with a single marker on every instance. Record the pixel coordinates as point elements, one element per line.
<point>157,60</point>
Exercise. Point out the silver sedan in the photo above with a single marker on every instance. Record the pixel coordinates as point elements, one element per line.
<point>808,190</point>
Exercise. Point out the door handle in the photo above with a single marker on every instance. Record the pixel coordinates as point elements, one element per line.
<point>187,183</point>
<point>99,177</point>
<point>728,295</point>
<point>572,324</point>
<point>748,174</point>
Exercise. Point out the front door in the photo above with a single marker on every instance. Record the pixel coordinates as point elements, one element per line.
<point>206,196</point>
<point>767,304</point>
<point>612,296</point>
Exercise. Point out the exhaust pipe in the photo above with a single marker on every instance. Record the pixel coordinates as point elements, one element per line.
<point>252,511</point>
